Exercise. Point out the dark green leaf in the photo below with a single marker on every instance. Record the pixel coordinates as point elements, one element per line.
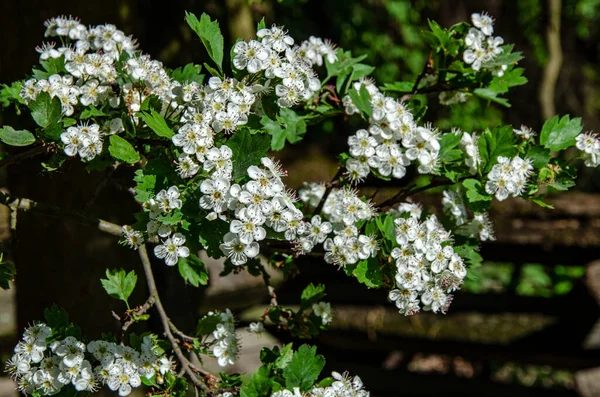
<point>494,143</point>
<point>122,150</point>
<point>193,270</point>
<point>7,274</point>
<point>362,100</point>
<point>207,324</point>
<point>260,384</point>
<point>304,368</point>
<point>400,86</point>
<point>369,273</point>
<point>539,156</point>
<point>16,137</point>
<point>56,317</point>
<point>247,150</point>
<point>45,110</point>
<point>448,143</point>
<point>189,73</point>
<point>510,78</point>
<point>294,128</point>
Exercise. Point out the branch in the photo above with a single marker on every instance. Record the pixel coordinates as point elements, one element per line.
<point>166,323</point>
<point>31,152</point>
<point>23,204</point>
<point>555,58</point>
<point>406,192</point>
<point>130,315</point>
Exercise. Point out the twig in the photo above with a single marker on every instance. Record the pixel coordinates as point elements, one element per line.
<point>185,363</point>
<point>328,188</point>
<point>130,316</point>
<point>179,333</point>
<point>406,192</point>
<point>32,152</point>
<point>426,70</point>
<point>23,204</point>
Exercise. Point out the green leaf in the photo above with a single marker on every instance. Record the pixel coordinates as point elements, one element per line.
<point>304,368</point>
<point>543,204</point>
<point>294,128</point>
<point>16,137</point>
<point>7,274</point>
<point>494,143</point>
<point>56,317</point>
<point>122,150</point>
<point>362,100</point>
<point>400,86</point>
<point>210,34</point>
<point>475,191</point>
<point>157,123</point>
<point>260,384</point>
<point>448,143</point>
<point>193,270</point>
<point>211,236</point>
<point>369,273</point>
<point>510,78</point>
<point>312,294</point>
<point>261,24</point>
<point>539,156</point>
<point>11,93</point>
<point>507,57</point>
<point>92,112</point>
<point>207,324</point>
<point>45,110</point>
<point>559,134</point>
<point>119,284</point>
<point>287,353</point>
<point>247,150</point>
<point>490,95</point>
<point>189,73</point>
<point>144,188</point>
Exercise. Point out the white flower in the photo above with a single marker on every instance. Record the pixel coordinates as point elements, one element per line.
<point>256,328</point>
<point>525,132</point>
<point>251,55</point>
<point>275,38</point>
<point>216,194</point>
<point>484,22</point>
<point>589,144</point>
<point>323,310</point>
<point>237,251</point>
<point>169,199</point>
<point>172,249</point>
<point>248,226</point>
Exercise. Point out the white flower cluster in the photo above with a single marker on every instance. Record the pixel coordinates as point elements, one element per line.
<point>508,177</point>
<point>469,144</point>
<point>454,206</point>
<point>428,269</point>
<point>343,385</point>
<point>260,203</point>
<point>173,247</point>
<point>85,139</point>
<point>342,209</point>
<point>276,56</point>
<point>323,310</point>
<point>69,362</point>
<point>226,345</point>
<point>589,144</point>
<point>482,47</point>
<point>392,141</point>
<point>525,132</point>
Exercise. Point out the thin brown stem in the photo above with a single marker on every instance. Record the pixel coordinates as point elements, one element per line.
<point>23,204</point>
<point>185,363</point>
<point>130,315</point>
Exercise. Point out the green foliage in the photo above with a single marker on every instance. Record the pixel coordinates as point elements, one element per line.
<point>289,127</point>
<point>45,111</point>
<point>122,150</point>
<point>312,294</point>
<point>157,123</point>
<point>494,143</point>
<point>193,270</point>
<point>560,133</point>
<point>91,112</point>
<point>369,273</point>
<point>187,74</point>
<point>247,150</point>
<point>11,137</point>
<point>210,34</point>
<point>7,274</point>
<point>362,100</point>
<point>490,95</point>
<point>119,284</point>
<point>207,324</point>
<point>448,144</point>
<point>260,384</point>
<point>11,93</point>
<point>145,185</point>
<point>304,368</point>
